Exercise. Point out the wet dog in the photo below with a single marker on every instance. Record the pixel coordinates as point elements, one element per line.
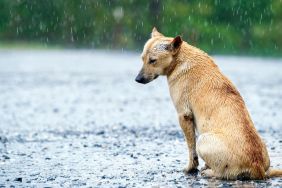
<point>209,104</point>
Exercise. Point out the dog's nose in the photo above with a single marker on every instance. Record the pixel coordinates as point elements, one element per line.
<point>140,79</point>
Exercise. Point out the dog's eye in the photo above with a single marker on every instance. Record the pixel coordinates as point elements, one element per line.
<point>152,61</point>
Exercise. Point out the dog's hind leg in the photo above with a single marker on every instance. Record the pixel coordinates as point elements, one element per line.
<point>216,155</point>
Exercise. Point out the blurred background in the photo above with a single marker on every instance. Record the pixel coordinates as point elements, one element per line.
<point>220,27</point>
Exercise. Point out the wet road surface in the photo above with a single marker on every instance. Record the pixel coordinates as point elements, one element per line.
<point>77,118</point>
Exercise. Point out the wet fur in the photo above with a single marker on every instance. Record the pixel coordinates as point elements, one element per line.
<point>208,103</point>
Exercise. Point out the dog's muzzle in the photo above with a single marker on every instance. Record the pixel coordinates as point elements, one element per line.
<point>141,79</point>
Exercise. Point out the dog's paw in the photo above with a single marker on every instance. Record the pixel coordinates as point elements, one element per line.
<point>192,166</point>
<point>204,168</point>
<point>190,170</point>
<point>208,173</point>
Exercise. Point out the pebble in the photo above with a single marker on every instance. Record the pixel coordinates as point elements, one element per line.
<point>19,179</point>
<point>52,178</point>
<point>5,156</point>
<point>100,133</point>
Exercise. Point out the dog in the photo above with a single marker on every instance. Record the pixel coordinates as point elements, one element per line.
<point>207,103</point>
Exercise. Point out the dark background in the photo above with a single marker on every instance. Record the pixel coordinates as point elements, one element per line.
<point>217,26</point>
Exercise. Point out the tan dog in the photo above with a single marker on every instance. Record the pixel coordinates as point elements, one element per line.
<point>207,102</point>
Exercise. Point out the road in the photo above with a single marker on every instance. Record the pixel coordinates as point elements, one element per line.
<point>77,118</point>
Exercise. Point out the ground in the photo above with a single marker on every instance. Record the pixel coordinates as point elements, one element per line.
<point>77,118</point>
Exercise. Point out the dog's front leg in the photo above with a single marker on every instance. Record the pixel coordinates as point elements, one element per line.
<point>187,125</point>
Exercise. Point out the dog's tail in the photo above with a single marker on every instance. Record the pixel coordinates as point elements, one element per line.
<point>273,173</point>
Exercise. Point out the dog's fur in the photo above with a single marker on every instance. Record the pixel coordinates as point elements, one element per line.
<point>207,102</point>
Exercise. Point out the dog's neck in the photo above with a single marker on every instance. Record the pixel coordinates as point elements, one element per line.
<point>187,58</point>
<point>180,65</point>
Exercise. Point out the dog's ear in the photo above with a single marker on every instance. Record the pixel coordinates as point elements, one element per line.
<point>155,33</point>
<point>175,44</point>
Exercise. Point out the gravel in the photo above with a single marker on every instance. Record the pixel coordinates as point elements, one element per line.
<point>77,118</point>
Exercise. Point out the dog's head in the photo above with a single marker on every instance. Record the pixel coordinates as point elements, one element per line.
<point>158,54</point>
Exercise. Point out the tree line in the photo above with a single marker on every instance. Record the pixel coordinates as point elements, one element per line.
<point>217,26</point>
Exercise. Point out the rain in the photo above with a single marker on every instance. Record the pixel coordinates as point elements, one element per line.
<point>72,115</point>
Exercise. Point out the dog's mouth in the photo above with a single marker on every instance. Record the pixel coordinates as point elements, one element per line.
<point>155,77</point>
<point>143,80</point>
